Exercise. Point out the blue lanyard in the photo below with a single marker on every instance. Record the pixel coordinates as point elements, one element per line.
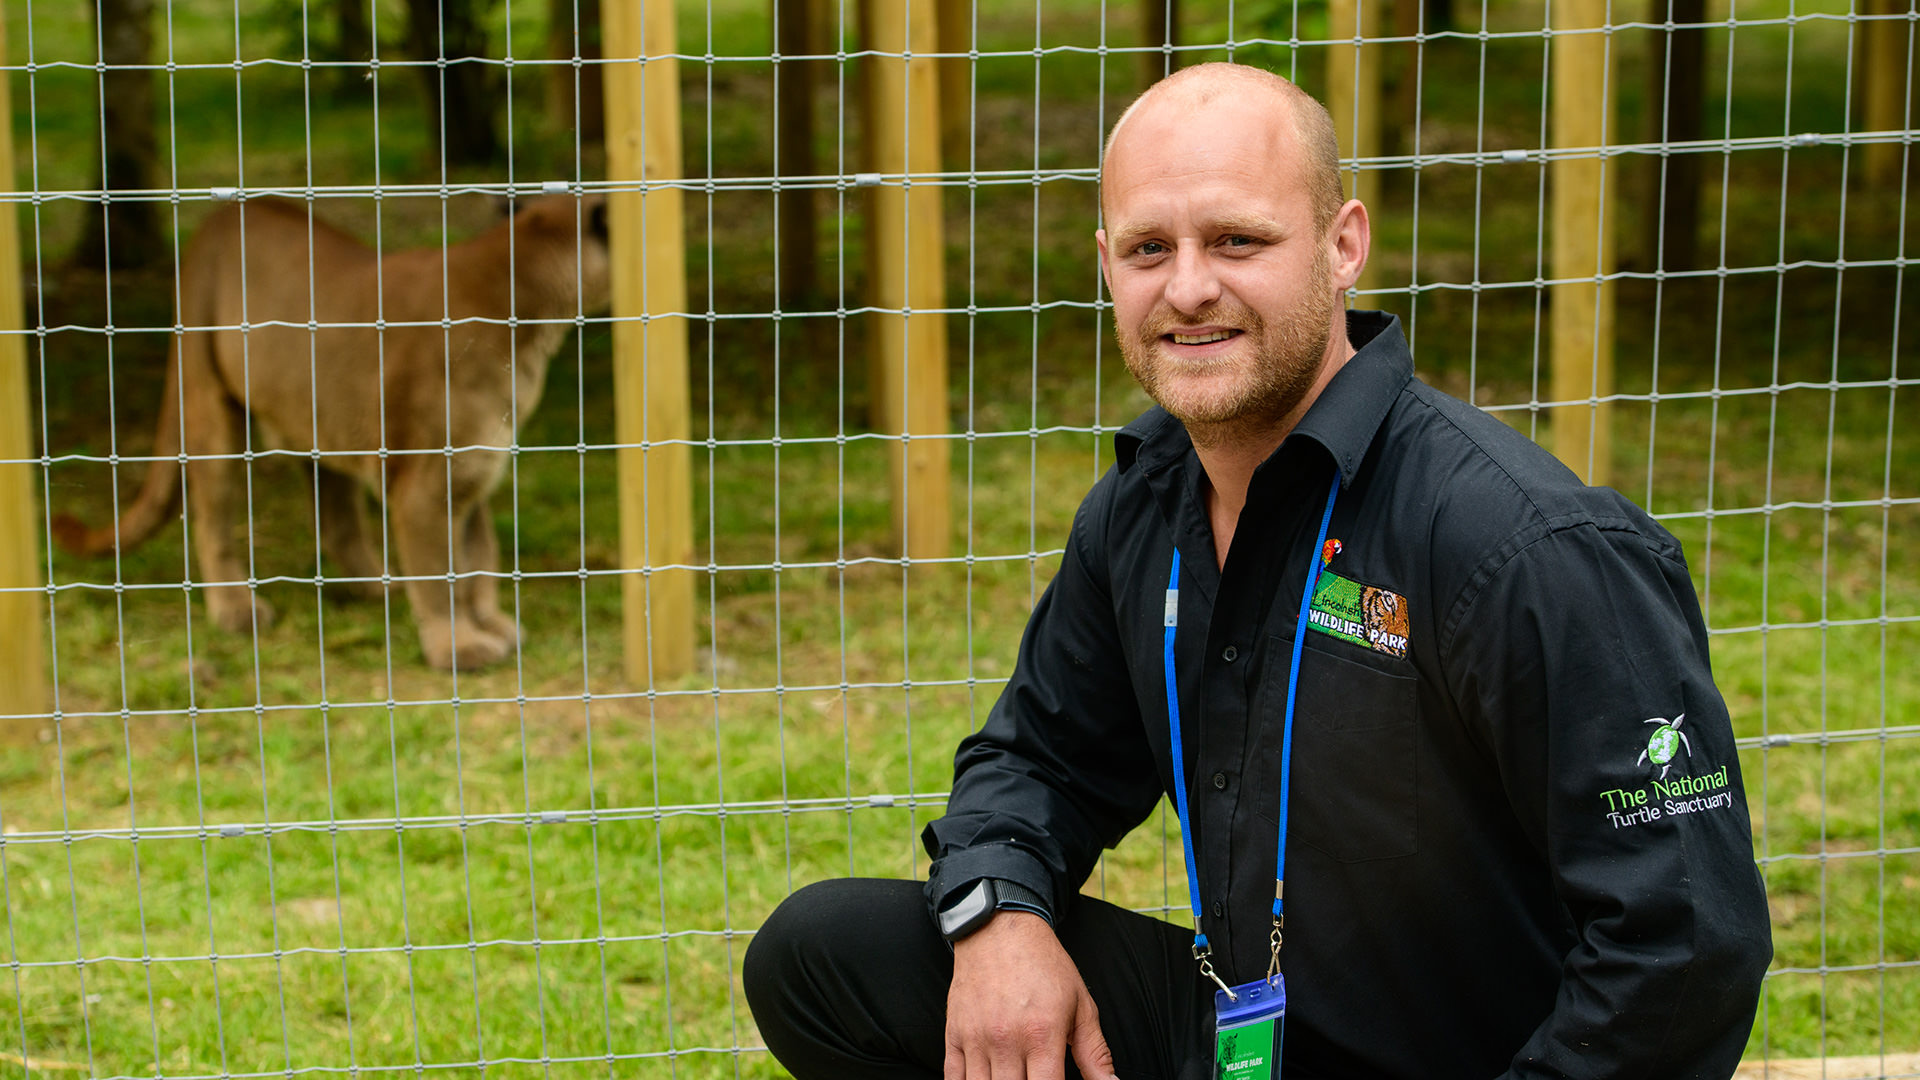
<point>1202,950</point>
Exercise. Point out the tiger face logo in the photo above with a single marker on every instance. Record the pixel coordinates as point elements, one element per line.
<point>1384,615</point>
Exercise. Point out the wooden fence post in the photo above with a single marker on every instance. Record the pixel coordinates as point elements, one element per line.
<point>1583,246</point>
<point>23,681</point>
<point>1353,99</point>
<point>906,250</point>
<point>649,278</point>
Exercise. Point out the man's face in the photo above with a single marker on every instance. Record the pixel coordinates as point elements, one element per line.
<point>1223,294</point>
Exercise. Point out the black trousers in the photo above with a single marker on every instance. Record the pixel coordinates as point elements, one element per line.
<point>848,979</point>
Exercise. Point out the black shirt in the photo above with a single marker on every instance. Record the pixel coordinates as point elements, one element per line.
<point>1518,839</point>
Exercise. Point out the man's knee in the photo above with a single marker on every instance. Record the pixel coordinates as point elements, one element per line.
<point>848,978</point>
<point>815,923</point>
<point>796,937</point>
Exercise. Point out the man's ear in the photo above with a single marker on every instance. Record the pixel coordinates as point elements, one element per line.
<point>1100,244</point>
<point>1350,237</point>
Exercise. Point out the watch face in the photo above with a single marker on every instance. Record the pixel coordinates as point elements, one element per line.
<point>969,913</point>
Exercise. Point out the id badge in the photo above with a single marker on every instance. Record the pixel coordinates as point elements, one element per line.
<point>1247,1031</point>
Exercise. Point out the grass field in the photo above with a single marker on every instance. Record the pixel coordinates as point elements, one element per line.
<point>551,870</point>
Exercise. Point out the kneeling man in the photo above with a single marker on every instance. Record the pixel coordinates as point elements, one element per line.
<point>1437,717</point>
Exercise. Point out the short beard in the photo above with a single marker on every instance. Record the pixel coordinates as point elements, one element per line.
<point>1287,360</point>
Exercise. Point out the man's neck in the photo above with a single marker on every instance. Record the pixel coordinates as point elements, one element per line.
<point>1229,455</point>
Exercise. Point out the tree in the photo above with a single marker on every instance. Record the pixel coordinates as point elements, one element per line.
<point>793,113</point>
<point>1676,95</point>
<point>573,29</point>
<point>461,92</point>
<point>126,231</point>
<point>1159,27</point>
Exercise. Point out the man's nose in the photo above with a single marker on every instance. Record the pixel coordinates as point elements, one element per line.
<point>1194,284</point>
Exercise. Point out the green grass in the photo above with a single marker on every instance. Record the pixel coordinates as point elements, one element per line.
<point>345,943</point>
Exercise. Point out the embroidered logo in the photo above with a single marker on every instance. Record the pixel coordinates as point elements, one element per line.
<point>1328,550</point>
<point>1362,614</point>
<point>1662,797</point>
<point>1666,741</point>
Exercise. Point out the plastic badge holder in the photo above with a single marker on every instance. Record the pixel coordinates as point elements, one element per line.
<point>1247,1031</point>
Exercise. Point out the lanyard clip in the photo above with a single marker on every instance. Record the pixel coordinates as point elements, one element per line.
<point>1202,950</point>
<point>1273,968</point>
<point>1206,968</point>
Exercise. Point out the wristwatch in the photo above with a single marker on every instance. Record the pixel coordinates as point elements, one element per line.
<point>973,908</point>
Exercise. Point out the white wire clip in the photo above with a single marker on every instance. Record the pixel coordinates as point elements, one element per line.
<point>1513,156</point>
<point>866,179</point>
<point>555,187</point>
<point>1808,138</point>
<point>879,800</point>
<point>224,194</point>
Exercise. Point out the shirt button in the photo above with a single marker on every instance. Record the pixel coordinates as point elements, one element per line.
<point>1219,781</point>
<point>1230,654</point>
<point>1216,909</point>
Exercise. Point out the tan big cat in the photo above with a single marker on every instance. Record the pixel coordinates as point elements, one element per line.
<point>333,347</point>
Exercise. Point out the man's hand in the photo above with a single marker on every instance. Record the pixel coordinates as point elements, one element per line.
<point>1016,1000</point>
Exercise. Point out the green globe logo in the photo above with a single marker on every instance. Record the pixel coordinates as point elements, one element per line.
<point>1666,741</point>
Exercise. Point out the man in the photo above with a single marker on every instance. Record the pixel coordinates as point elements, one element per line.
<point>1517,842</point>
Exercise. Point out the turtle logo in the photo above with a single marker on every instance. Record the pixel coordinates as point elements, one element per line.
<point>1667,740</point>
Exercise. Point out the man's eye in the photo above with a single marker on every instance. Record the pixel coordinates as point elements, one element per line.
<point>1240,241</point>
<point>1151,247</point>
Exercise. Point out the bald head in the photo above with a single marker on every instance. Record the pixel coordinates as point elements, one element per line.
<point>1196,87</point>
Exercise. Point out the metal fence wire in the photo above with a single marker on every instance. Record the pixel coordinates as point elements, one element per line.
<point>257,822</point>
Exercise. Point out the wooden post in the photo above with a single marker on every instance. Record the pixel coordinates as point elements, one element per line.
<point>23,683</point>
<point>648,240</point>
<point>1583,249</point>
<point>1353,98</point>
<point>906,250</point>
<point>22,654</point>
<point>1884,45</point>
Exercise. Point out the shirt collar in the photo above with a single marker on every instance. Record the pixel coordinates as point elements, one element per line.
<point>1343,419</point>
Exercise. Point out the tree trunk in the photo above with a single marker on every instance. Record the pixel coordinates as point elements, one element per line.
<point>125,233</point>
<point>956,82</point>
<point>573,30</point>
<point>354,39</point>
<point>461,94</point>
<point>1159,25</point>
<point>793,112</point>
<point>353,28</point>
<point>1675,104</point>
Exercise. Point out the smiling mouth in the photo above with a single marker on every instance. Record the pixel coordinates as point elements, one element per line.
<point>1202,339</point>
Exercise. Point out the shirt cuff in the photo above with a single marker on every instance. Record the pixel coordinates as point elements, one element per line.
<point>1004,862</point>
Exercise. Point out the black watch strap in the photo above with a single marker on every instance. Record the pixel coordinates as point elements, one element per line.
<point>1013,896</point>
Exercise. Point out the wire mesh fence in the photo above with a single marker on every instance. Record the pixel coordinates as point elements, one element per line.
<point>262,823</point>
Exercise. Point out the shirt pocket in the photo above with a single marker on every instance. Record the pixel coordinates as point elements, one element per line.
<point>1355,790</point>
